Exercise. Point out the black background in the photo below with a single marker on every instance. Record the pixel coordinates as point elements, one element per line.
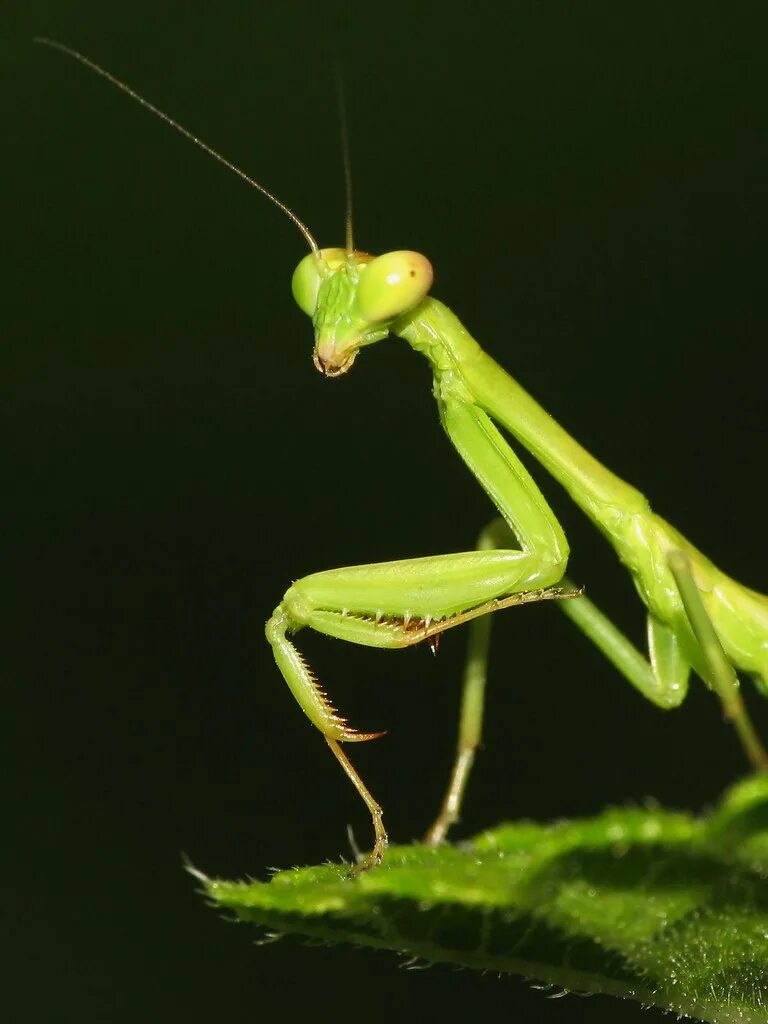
<point>590,183</point>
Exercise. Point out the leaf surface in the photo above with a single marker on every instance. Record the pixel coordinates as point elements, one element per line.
<point>645,904</point>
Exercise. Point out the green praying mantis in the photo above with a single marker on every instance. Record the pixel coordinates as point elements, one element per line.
<point>697,617</point>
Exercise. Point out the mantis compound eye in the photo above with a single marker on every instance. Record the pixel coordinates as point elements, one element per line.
<point>313,270</point>
<point>305,284</point>
<point>392,284</point>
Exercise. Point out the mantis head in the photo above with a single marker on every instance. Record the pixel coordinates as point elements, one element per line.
<point>353,299</point>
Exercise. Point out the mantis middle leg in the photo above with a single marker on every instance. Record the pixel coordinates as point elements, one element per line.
<point>663,679</point>
<point>396,604</point>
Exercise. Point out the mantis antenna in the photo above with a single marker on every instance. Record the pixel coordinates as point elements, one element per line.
<point>341,103</point>
<point>54,45</point>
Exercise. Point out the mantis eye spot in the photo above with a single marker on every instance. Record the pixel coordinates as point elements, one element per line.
<point>392,284</point>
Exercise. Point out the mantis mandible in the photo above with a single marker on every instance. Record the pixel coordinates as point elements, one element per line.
<point>697,617</point>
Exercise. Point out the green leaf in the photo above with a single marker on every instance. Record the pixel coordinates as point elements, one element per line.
<point>646,904</point>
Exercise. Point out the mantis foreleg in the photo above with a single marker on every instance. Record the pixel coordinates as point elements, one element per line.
<point>396,604</point>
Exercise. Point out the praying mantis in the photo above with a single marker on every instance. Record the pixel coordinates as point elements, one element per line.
<point>698,619</point>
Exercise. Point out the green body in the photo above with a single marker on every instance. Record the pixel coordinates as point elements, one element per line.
<point>698,618</point>
<point>641,538</point>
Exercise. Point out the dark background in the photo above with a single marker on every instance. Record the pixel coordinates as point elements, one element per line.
<point>590,183</point>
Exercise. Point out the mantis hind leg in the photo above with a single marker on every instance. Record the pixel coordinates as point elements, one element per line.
<point>720,674</point>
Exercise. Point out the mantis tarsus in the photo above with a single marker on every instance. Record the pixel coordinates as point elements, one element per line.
<point>698,618</point>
